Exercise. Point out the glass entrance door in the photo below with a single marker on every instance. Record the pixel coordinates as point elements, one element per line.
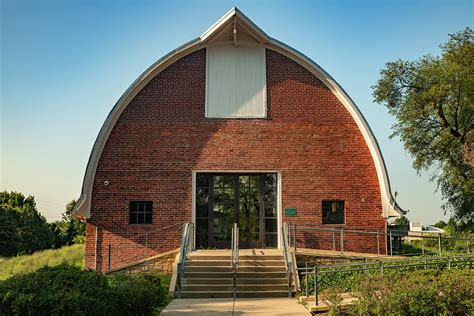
<point>246,199</point>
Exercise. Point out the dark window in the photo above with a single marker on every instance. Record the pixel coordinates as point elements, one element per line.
<point>333,212</point>
<point>140,212</point>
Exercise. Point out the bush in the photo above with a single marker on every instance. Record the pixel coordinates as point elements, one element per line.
<point>69,290</point>
<point>346,279</point>
<point>424,292</point>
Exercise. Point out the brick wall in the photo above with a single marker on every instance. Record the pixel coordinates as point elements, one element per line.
<point>163,135</point>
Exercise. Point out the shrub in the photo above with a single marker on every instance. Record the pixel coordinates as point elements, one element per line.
<point>69,290</point>
<point>424,292</point>
<point>137,294</point>
<point>346,279</point>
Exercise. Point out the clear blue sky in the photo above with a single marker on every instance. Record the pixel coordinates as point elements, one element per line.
<point>64,64</point>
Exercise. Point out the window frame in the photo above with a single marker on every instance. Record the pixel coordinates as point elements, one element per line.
<point>134,211</point>
<point>323,217</point>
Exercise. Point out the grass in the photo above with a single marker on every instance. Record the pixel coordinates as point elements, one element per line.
<point>73,255</point>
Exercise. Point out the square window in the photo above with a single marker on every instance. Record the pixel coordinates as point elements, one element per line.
<point>141,212</point>
<point>333,212</point>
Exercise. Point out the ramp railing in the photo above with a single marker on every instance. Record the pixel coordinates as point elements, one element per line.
<point>287,255</point>
<point>186,246</point>
<point>234,260</point>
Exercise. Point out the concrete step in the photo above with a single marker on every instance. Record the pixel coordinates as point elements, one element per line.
<point>240,281</point>
<point>260,274</point>
<point>280,293</point>
<point>217,269</point>
<point>240,274</point>
<point>242,263</point>
<point>276,281</point>
<point>196,281</point>
<point>214,275</point>
<point>207,294</point>
<point>207,269</point>
<point>244,288</point>
<point>208,288</point>
<point>193,257</point>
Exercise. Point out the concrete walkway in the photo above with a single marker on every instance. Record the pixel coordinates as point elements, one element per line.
<point>241,306</point>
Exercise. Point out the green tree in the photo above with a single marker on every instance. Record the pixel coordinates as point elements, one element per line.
<point>402,221</point>
<point>8,236</point>
<point>70,229</point>
<point>25,230</point>
<point>432,100</point>
<point>440,224</point>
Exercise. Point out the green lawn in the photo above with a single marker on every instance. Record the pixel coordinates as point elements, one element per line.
<point>73,255</point>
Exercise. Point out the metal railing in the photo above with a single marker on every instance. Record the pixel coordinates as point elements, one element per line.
<point>287,255</point>
<point>234,260</point>
<point>135,247</point>
<point>390,242</point>
<point>186,246</point>
<point>378,265</point>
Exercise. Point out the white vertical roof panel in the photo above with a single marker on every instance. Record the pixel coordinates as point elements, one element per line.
<point>236,81</point>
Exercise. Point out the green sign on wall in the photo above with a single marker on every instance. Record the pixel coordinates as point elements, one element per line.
<point>290,211</point>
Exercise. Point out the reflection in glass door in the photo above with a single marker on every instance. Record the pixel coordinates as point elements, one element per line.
<point>249,211</point>
<point>250,200</point>
<point>223,210</point>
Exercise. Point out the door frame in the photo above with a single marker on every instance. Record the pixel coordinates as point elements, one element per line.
<point>279,197</point>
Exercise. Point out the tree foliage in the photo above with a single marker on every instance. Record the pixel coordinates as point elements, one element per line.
<point>432,99</point>
<point>70,229</point>
<point>402,221</point>
<point>22,228</point>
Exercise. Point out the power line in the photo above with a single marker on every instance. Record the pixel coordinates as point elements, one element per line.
<point>51,202</point>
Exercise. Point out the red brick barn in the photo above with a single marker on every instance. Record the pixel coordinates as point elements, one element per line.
<point>232,127</point>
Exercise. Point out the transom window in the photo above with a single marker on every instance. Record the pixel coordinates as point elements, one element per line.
<point>333,212</point>
<point>140,212</point>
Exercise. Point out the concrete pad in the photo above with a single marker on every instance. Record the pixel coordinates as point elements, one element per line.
<point>199,306</point>
<point>242,306</point>
<point>269,306</point>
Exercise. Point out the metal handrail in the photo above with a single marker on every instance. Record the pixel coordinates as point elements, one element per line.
<point>234,260</point>
<point>123,252</point>
<point>186,247</point>
<point>378,235</point>
<point>287,255</point>
<point>378,265</point>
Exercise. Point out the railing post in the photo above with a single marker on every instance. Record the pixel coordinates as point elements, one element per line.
<point>467,245</point>
<point>342,240</point>
<point>306,280</point>
<point>381,267</point>
<point>289,235</point>
<point>294,234</point>
<point>108,258</point>
<point>146,245</point>
<point>365,266</point>
<point>422,245</point>
<point>316,290</point>
<point>333,239</point>
<point>378,244</point>
<point>439,243</point>
<point>449,263</point>
<point>390,242</point>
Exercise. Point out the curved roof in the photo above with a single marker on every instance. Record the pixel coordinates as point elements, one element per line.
<point>389,206</point>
